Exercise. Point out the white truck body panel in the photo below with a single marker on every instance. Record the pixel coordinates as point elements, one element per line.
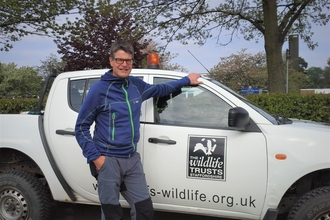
<point>26,139</point>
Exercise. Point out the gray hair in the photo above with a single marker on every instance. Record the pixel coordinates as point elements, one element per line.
<point>121,45</point>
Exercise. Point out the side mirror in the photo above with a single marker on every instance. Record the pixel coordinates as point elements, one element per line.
<point>238,118</point>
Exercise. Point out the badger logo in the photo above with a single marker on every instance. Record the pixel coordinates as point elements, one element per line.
<point>207,146</point>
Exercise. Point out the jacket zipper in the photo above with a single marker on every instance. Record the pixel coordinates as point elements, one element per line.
<point>113,116</point>
<point>130,116</point>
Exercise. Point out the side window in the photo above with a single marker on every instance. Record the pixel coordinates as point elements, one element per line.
<point>78,91</point>
<point>191,106</point>
<point>89,85</point>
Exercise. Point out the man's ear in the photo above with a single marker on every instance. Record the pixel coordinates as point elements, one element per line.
<point>110,60</point>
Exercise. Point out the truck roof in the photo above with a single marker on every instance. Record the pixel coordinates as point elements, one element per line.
<point>98,72</point>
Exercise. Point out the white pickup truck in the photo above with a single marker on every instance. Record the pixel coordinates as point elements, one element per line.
<point>206,151</point>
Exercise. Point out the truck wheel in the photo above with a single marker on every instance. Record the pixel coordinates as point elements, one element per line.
<point>22,196</point>
<point>314,205</point>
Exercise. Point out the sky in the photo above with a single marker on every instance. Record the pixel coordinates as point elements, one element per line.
<point>31,50</point>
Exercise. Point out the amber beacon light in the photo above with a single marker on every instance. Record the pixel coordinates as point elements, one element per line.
<point>153,61</point>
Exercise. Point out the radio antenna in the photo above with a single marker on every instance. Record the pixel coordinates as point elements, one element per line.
<point>199,62</point>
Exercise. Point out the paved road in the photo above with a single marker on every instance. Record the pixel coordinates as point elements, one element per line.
<point>67,211</point>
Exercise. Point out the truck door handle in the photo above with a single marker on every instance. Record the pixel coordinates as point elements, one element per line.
<point>162,141</point>
<point>64,132</point>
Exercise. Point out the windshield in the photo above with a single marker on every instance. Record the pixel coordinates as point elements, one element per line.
<point>262,112</point>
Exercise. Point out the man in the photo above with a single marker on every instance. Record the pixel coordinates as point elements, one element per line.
<point>114,104</point>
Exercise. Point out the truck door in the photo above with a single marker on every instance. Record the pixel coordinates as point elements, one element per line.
<point>194,161</point>
<point>60,123</point>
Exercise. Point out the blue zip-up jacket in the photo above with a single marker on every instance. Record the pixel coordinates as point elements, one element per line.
<point>114,104</point>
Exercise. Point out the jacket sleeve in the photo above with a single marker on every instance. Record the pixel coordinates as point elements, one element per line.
<point>164,89</point>
<point>85,119</point>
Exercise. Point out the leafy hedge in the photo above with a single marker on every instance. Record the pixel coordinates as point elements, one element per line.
<point>15,106</point>
<point>310,107</point>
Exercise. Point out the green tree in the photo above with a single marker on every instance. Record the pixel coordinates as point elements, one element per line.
<point>2,73</point>
<point>32,17</point>
<point>326,75</point>
<point>22,82</point>
<point>198,20</point>
<point>297,81</point>
<point>240,70</point>
<point>88,40</point>
<point>302,65</point>
<point>48,65</point>
<point>315,74</point>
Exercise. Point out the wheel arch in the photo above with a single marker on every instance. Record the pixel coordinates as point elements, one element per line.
<point>306,183</point>
<point>14,159</point>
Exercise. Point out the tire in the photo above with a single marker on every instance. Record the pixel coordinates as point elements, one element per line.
<point>23,196</point>
<point>314,205</point>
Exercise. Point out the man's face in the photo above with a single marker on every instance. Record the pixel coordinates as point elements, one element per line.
<point>121,63</point>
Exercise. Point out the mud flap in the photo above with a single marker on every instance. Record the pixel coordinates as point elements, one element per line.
<point>271,214</point>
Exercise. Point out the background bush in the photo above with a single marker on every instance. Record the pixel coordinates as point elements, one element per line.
<point>16,106</point>
<point>310,107</point>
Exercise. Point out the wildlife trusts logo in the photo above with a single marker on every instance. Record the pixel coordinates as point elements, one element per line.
<point>206,157</point>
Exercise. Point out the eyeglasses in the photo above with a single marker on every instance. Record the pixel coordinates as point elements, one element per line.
<point>121,61</point>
